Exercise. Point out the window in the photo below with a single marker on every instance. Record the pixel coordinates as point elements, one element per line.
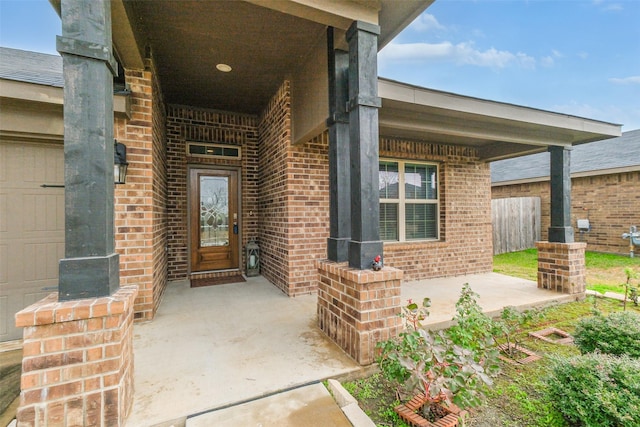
<point>409,204</point>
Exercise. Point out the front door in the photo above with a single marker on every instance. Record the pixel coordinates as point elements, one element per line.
<point>214,226</point>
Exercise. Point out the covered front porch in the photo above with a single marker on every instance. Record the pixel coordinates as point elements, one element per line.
<point>216,346</point>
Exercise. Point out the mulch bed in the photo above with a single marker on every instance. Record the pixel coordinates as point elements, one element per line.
<point>212,281</point>
<point>521,355</point>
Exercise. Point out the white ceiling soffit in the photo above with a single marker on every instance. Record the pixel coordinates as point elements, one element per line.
<point>497,130</point>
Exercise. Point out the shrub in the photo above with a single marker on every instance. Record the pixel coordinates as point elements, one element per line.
<point>509,324</point>
<point>617,334</point>
<point>597,390</point>
<point>473,329</point>
<point>446,366</point>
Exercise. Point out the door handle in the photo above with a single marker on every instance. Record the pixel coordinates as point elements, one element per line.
<point>235,223</point>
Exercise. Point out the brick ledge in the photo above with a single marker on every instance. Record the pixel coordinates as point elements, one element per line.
<point>355,275</point>
<point>49,310</point>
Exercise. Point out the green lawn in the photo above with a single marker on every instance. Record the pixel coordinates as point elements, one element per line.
<point>605,272</point>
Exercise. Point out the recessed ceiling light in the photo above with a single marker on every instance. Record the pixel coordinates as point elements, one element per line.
<point>224,68</point>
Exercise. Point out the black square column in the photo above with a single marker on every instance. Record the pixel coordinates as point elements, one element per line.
<point>560,230</point>
<point>91,266</point>
<point>339,165</point>
<point>363,107</point>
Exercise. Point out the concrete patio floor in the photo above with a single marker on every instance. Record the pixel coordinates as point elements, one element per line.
<point>214,347</point>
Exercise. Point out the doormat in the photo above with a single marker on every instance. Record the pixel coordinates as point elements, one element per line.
<point>211,281</point>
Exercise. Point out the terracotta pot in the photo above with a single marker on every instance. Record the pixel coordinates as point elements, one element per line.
<point>410,413</point>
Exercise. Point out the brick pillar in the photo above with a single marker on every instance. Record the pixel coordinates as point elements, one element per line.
<point>358,308</point>
<point>561,267</point>
<point>77,366</point>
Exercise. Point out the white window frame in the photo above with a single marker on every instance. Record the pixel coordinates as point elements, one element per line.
<point>402,202</point>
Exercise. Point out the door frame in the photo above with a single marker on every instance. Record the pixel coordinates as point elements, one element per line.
<point>190,195</point>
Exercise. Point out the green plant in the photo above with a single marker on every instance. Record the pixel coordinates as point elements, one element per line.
<point>630,291</point>
<point>435,364</point>
<point>388,414</point>
<point>412,314</point>
<point>617,334</point>
<point>509,324</point>
<point>633,295</point>
<point>597,390</point>
<point>472,328</point>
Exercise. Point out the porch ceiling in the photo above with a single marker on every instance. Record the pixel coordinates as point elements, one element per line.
<point>263,41</point>
<point>497,130</point>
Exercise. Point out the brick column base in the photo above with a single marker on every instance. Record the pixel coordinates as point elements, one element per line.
<point>77,362</point>
<point>561,267</point>
<point>358,308</point>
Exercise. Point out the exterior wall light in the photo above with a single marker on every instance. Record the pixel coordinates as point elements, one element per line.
<point>120,162</point>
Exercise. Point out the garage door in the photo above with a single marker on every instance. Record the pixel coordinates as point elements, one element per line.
<point>31,227</point>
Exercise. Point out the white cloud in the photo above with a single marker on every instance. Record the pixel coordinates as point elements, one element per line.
<point>547,61</point>
<point>426,22</point>
<point>625,80</point>
<point>461,53</point>
<point>608,5</point>
<point>550,60</point>
<point>614,7</point>
<point>583,55</point>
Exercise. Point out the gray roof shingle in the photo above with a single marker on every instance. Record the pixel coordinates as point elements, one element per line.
<point>620,152</point>
<point>31,67</point>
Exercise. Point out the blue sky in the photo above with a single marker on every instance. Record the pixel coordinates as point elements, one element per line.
<point>570,56</point>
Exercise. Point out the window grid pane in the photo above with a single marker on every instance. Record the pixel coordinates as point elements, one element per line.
<point>409,208</point>
<point>389,221</point>
<point>420,221</point>
<point>420,182</point>
<point>389,180</point>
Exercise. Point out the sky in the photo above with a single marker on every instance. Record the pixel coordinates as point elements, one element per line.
<point>577,57</point>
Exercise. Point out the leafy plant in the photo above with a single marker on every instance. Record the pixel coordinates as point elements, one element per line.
<point>412,314</point>
<point>472,329</point>
<point>597,390</point>
<point>509,324</point>
<point>630,291</point>
<point>633,295</point>
<point>617,334</point>
<point>434,363</point>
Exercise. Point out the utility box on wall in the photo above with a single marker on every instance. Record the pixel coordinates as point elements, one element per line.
<point>584,225</point>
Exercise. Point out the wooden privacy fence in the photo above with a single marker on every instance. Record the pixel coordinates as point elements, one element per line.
<point>516,223</point>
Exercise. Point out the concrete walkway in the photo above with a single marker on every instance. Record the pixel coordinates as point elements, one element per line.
<point>213,346</point>
<point>211,353</point>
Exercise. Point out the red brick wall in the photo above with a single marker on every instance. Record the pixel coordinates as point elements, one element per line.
<point>308,212</point>
<point>159,192</point>
<point>358,309</point>
<point>274,198</point>
<point>140,204</point>
<point>286,187</point>
<point>610,202</point>
<point>465,244</point>
<point>294,200</point>
<point>561,267</point>
<point>188,124</point>
<point>295,207</point>
<point>77,366</point>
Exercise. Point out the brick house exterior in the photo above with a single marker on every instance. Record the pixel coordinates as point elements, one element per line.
<point>264,128</point>
<point>604,188</point>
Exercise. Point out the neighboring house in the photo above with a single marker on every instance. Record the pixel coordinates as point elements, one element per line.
<point>605,188</point>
